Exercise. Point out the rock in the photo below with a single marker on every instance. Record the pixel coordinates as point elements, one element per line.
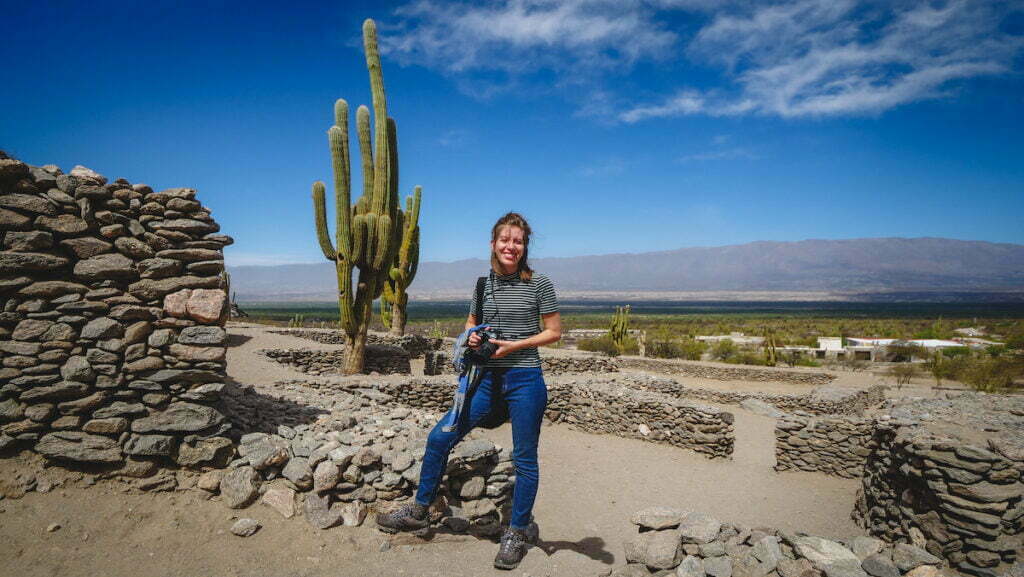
<point>908,557</point>
<point>58,392</point>
<point>326,476</point>
<point>87,175</point>
<point>697,527</point>
<point>28,203</point>
<point>656,549</point>
<point>760,407</point>
<point>150,445</point>
<point>879,565</point>
<point>110,426</point>
<point>712,549</point>
<point>207,305</point>
<point>106,266</point>
<point>86,246</point>
<point>64,224</point>
<point>245,527</point>
<point>240,487</point>
<point>353,514</point>
<point>298,472</point>
<point>196,354</point>
<point>280,499</point>
<point>164,482</point>
<point>718,567</point>
<point>79,447</point>
<point>202,335</point>
<point>134,248</point>
<point>768,552</point>
<point>175,304</point>
<point>473,488</point>
<point>11,410</point>
<point>210,481</point>
<point>179,417</point>
<point>31,330</point>
<point>864,547</point>
<point>102,328</point>
<point>52,527</point>
<point>10,220</point>
<point>985,492</point>
<point>924,571</point>
<point>12,262</point>
<point>266,454</point>
<point>52,288</point>
<point>658,518</point>
<point>149,289</point>
<point>211,452</point>
<point>319,512</point>
<point>690,566</point>
<point>796,568</point>
<point>828,556</point>
<point>158,268</point>
<point>78,369</point>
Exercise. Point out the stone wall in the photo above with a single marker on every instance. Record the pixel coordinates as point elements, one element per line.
<point>415,345</point>
<point>832,445</point>
<point>439,363</point>
<point>380,359</point>
<point>824,400</point>
<point>593,406</point>
<point>961,498</point>
<point>685,543</point>
<point>112,304</point>
<point>719,372</point>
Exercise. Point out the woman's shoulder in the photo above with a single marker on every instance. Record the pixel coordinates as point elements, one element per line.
<point>542,279</point>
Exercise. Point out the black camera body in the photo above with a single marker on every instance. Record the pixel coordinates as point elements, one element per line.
<point>486,349</point>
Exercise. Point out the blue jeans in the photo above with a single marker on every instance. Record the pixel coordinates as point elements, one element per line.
<point>527,396</point>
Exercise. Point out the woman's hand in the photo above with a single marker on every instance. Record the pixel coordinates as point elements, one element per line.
<point>473,341</point>
<point>504,348</point>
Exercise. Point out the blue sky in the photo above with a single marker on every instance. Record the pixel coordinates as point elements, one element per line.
<point>614,126</point>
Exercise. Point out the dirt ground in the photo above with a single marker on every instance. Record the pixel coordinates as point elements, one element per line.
<point>590,485</point>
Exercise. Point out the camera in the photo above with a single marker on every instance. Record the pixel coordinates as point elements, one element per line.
<point>483,353</point>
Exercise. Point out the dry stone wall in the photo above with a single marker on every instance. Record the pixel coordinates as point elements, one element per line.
<point>958,497</point>
<point>380,359</point>
<point>832,445</point>
<point>825,400</point>
<point>415,345</point>
<point>593,406</point>
<point>685,543</point>
<point>111,337</point>
<point>724,372</point>
<point>439,363</point>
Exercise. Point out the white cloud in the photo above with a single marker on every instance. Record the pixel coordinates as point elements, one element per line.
<point>838,57</point>
<point>789,58</point>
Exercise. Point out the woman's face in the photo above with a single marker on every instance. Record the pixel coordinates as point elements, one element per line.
<point>509,247</point>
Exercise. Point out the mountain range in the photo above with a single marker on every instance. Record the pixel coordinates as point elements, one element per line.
<point>830,269</point>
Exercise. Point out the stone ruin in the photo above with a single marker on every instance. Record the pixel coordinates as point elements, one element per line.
<point>684,543</point>
<point>113,302</point>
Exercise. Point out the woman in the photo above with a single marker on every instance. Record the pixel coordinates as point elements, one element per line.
<point>516,301</point>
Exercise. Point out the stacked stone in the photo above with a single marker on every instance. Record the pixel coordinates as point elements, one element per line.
<point>337,469</point>
<point>694,544</point>
<point>831,445</point>
<point>606,407</point>
<point>439,363</point>
<point>957,495</point>
<point>415,345</point>
<point>380,359</point>
<point>110,331</point>
<point>725,372</point>
<point>825,400</point>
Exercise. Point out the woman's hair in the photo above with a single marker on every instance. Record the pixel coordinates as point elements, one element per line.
<point>517,220</point>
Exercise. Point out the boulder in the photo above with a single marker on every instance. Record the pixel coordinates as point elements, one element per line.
<point>658,518</point>
<point>179,417</point>
<point>212,452</point>
<point>656,549</point>
<point>207,305</point>
<point>829,557</point>
<point>240,487</point>
<point>111,266</point>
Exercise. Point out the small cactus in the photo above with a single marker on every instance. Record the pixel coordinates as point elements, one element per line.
<point>620,327</point>
<point>395,299</point>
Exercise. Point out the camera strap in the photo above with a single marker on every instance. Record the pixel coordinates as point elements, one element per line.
<point>478,311</point>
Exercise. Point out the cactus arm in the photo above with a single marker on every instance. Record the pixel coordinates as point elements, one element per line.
<point>382,153</point>
<point>320,218</point>
<point>338,136</point>
<point>365,151</point>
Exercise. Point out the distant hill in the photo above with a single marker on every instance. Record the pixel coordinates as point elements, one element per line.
<point>829,267</point>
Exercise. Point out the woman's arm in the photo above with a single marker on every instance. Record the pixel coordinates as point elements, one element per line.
<point>552,332</point>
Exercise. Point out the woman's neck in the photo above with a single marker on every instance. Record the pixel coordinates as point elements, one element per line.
<point>500,270</point>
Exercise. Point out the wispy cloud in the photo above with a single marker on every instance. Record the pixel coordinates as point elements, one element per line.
<point>840,57</point>
<point>788,58</point>
<point>454,138</point>
<point>606,168</point>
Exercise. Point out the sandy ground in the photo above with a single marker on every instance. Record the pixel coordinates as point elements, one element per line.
<point>590,485</point>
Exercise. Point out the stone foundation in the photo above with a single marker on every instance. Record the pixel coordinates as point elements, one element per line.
<point>832,445</point>
<point>380,359</point>
<point>718,372</point>
<point>415,345</point>
<point>111,333</point>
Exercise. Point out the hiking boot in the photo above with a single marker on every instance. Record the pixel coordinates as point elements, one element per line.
<point>512,548</point>
<point>408,517</point>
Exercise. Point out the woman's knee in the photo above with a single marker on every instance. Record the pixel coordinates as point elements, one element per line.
<point>439,440</point>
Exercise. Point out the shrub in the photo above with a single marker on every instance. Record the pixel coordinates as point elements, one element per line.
<point>724,350</point>
<point>903,373</point>
<point>668,349</point>
<point>605,344</point>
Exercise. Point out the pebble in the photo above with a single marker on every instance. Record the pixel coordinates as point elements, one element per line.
<point>245,527</point>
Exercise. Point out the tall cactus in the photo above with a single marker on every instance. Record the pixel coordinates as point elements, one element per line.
<point>620,327</point>
<point>395,299</point>
<point>368,233</point>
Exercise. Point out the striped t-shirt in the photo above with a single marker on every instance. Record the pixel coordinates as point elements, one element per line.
<point>513,307</point>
